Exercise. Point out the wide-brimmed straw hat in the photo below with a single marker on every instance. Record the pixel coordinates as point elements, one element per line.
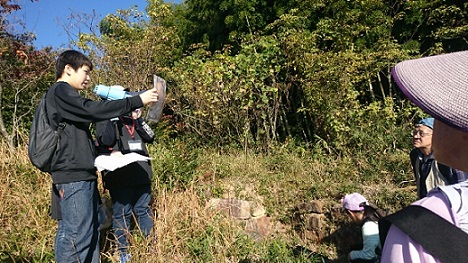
<point>438,85</point>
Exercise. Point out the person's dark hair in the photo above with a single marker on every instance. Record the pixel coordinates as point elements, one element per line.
<point>73,58</point>
<point>372,212</point>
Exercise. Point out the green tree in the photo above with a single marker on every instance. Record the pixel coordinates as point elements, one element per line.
<point>433,26</point>
<point>226,22</point>
<point>256,72</point>
<point>132,48</point>
<point>26,73</point>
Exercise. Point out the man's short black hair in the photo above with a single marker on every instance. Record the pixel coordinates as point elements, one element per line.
<point>73,58</point>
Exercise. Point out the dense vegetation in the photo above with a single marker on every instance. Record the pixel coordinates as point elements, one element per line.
<point>293,99</point>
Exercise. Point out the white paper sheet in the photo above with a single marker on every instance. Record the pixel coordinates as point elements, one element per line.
<point>115,161</point>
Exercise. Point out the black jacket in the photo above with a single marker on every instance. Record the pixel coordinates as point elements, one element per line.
<point>116,135</point>
<point>74,160</point>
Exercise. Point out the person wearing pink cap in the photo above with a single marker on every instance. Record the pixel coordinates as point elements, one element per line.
<point>360,212</point>
<point>439,86</point>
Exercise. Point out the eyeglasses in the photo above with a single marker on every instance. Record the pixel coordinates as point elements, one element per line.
<point>421,133</point>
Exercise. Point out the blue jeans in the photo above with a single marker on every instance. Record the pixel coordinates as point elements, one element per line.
<point>125,202</point>
<point>77,238</point>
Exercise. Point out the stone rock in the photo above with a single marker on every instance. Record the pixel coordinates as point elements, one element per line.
<point>313,206</point>
<point>259,226</point>
<point>314,222</point>
<point>258,210</point>
<point>236,208</point>
<point>309,220</point>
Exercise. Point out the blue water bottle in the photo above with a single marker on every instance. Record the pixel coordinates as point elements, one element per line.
<point>114,92</point>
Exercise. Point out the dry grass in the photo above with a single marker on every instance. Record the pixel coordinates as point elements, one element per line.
<point>26,230</point>
<point>186,230</point>
<point>183,223</point>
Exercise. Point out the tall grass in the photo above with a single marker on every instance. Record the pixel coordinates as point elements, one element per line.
<point>26,230</point>
<point>185,178</point>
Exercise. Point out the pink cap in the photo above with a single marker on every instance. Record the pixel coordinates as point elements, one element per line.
<point>352,202</point>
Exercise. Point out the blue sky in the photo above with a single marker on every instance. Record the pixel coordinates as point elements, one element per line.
<point>48,18</point>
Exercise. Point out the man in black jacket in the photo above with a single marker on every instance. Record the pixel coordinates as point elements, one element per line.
<point>75,196</point>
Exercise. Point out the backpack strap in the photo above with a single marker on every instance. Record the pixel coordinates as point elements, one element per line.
<point>447,173</point>
<point>61,125</point>
<point>441,238</point>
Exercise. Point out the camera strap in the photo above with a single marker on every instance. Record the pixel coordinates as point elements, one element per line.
<point>117,135</point>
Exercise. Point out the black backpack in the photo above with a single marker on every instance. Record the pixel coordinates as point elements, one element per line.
<point>43,139</point>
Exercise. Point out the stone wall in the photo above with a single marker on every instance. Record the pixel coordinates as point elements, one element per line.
<point>257,223</point>
<point>313,221</point>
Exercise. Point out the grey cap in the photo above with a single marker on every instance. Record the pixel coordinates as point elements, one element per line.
<point>438,85</point>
